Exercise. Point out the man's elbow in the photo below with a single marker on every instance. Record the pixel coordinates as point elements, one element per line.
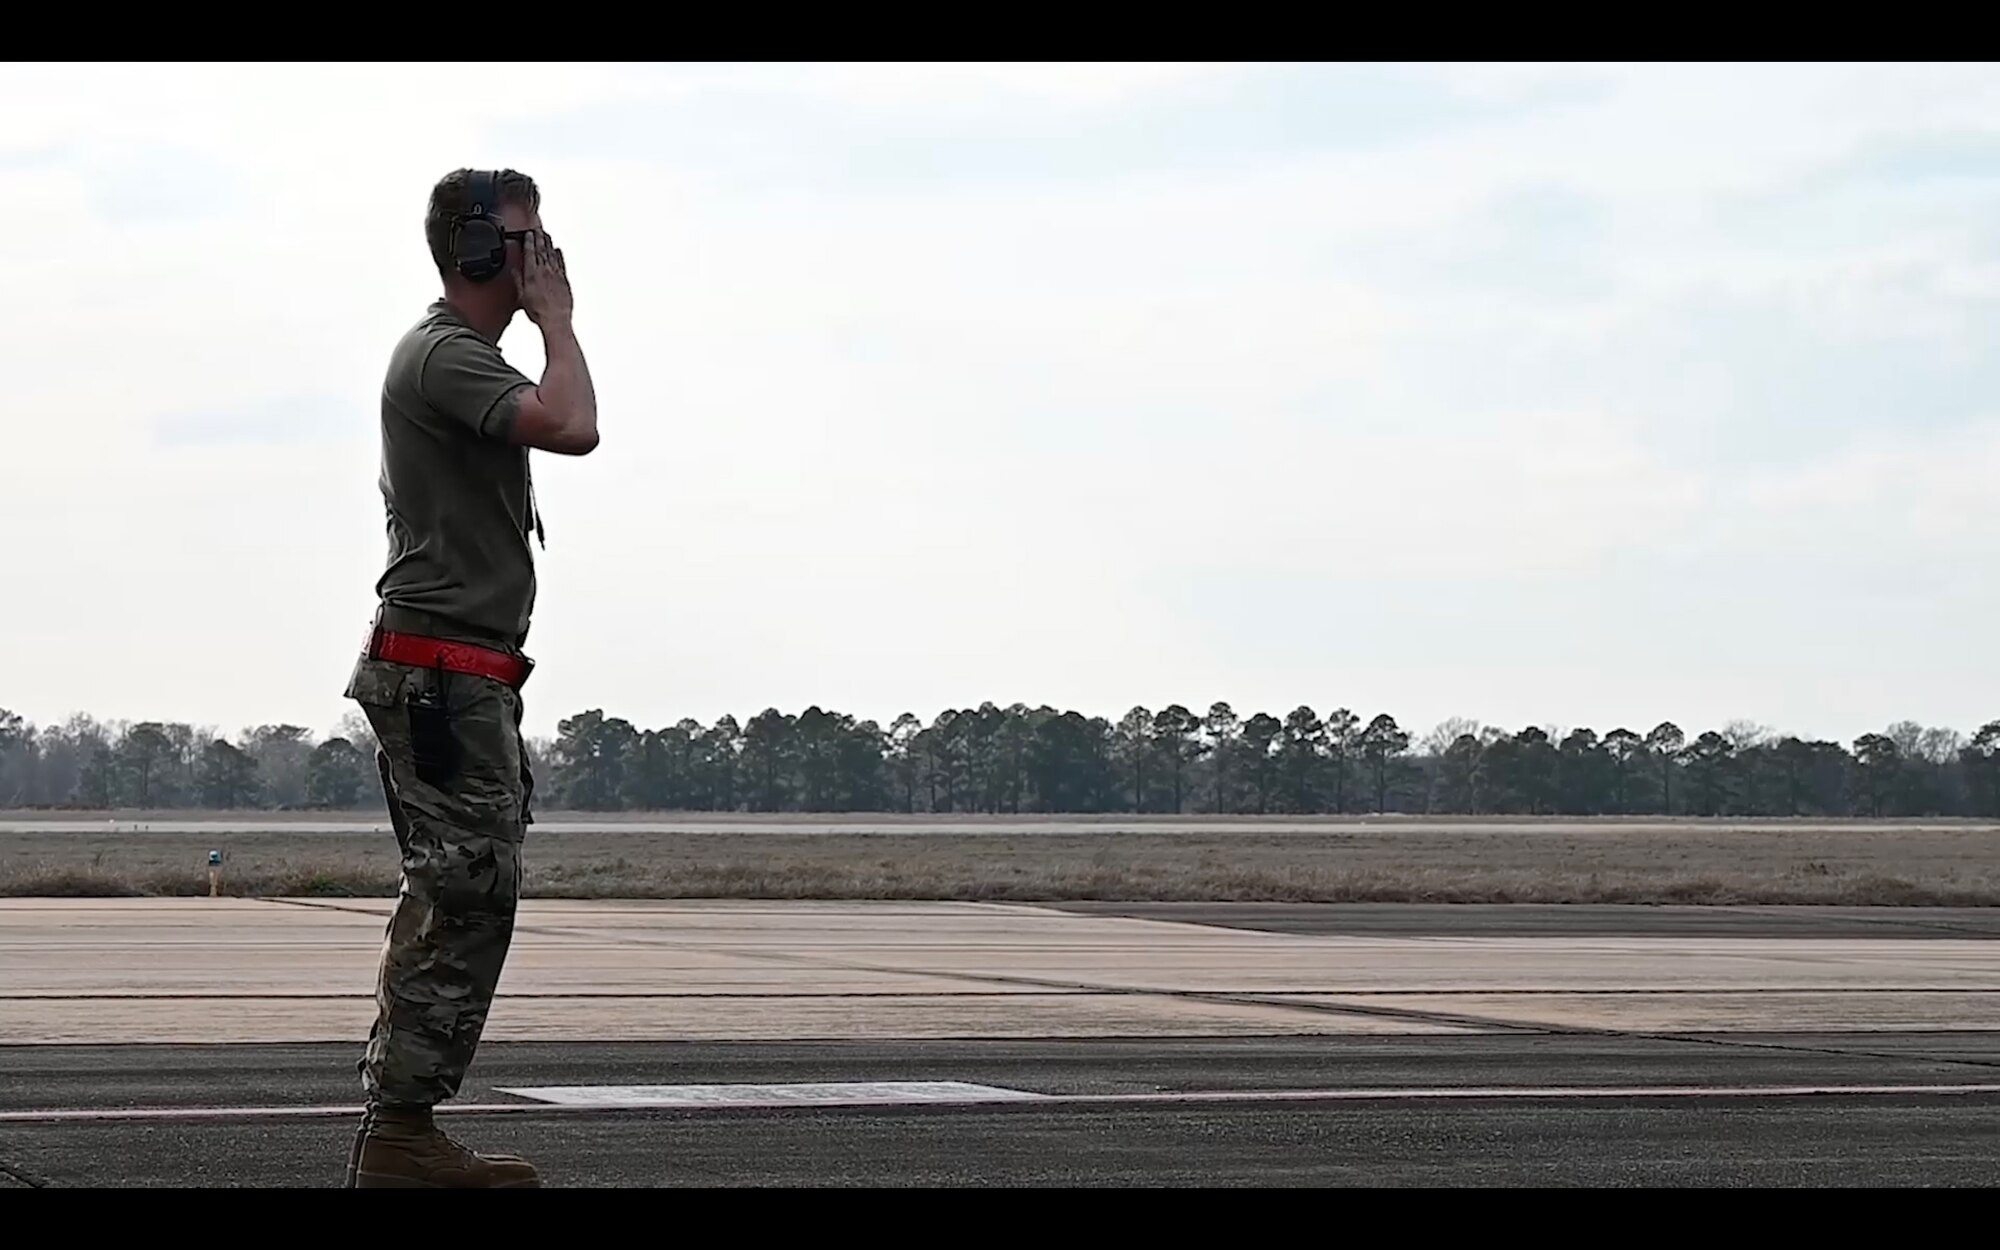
<point>565,429</point>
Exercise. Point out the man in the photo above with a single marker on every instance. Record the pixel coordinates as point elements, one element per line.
<point>441,674</point>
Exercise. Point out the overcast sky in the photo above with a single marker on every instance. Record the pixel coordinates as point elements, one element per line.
<point>1556,395</point>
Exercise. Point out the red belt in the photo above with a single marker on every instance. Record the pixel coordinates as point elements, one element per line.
<point>456,657</point>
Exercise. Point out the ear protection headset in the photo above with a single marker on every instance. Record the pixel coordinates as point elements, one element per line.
<point>478,238</point>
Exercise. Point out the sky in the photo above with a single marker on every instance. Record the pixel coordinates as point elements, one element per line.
<point>1534,394</point>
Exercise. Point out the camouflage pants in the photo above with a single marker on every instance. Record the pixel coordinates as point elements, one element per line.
<point>457,783</point>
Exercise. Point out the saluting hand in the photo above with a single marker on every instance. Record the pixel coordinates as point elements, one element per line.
<point>542,281</point>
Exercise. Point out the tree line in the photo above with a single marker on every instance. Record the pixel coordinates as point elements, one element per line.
<point>1019,759</point>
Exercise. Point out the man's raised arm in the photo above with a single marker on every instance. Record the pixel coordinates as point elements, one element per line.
<point>560,415</point>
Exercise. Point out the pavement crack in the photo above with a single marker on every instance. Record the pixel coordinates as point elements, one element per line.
<point>774,957</point>
<point>1015,980</point>
<point>1372,1011</point>
<point>1796,1048</point>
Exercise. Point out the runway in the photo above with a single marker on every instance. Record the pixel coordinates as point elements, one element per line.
<point>211,1042</point>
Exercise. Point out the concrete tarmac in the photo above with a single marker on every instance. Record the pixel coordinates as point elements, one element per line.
<point>252,971</point>
<point>212,1042</point>
<point>1566,920</point>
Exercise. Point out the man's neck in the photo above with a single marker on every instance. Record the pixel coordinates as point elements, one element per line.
<point>490,322</point>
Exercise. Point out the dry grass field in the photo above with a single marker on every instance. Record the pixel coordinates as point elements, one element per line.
<point>1191,859</point>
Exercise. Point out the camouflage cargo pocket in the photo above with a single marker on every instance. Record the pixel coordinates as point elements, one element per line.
<point>378,683</point>
<point>455,734</point>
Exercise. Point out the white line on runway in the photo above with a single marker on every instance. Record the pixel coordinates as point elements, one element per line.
<point>814,1094</point>
<point>1162,1098</point>
<point>1412,991</point>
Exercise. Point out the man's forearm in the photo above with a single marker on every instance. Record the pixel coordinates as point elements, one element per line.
<point>566,387</point>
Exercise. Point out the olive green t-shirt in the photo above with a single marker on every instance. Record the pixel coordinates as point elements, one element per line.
<point>458,494</point>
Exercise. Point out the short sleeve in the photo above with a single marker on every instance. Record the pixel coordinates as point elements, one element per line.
<point>470,383</point>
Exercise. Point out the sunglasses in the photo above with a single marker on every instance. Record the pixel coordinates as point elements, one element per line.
<point>522,236</point>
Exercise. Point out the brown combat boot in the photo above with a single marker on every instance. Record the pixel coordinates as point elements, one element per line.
<point>406,1150</point>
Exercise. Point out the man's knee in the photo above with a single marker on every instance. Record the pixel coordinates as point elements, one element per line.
<point>485,880</point>
<point>463,872</point>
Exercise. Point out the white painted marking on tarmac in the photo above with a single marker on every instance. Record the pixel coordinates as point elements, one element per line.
<point>825,1093</point>
<point>1164,1097</point>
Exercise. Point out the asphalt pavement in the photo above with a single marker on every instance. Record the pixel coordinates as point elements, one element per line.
<point>1319,1111</point>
